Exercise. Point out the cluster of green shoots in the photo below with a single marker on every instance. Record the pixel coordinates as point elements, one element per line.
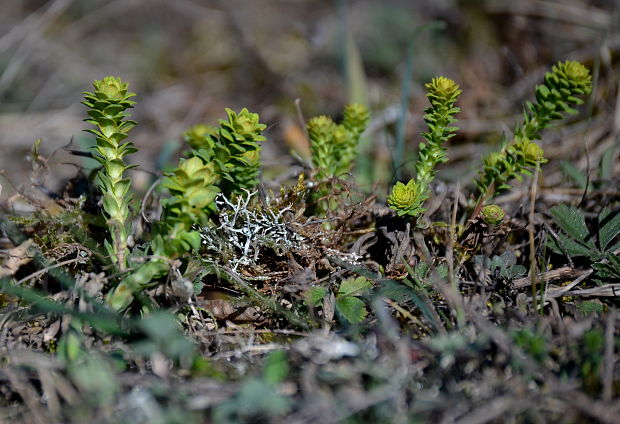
<point>555,98</point>
<point>225,159</point>
<point>334,146</point>
<point>192,192</point>
<point>233,148</point>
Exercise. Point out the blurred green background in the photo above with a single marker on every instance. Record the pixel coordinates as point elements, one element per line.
<point>189,59</point>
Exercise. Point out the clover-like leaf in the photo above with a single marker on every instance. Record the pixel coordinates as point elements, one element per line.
<point>354,286</point>
<point>351,308</point>
<point>315,295</point>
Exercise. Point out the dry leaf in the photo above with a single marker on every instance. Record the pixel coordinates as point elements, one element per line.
<point>233,311</point>
<point>15,258</point>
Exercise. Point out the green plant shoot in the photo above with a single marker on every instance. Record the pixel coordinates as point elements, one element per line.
<point>233,148</point>
<point>228,156</point>
<point>556,97</point>
<point>107,106</point>
<point>334,146</point>
<point>408,199</point>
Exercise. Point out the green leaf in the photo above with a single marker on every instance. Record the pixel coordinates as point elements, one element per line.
<point>571,247</point>
<point>70,349</point>
<point>609,227</point>
<point>120,297</point>
<point>191,238</point>
<point>396,291</point>
<point>611,269</point>
<point>315,295</point>
<point>590,307</point>
<point>95,378</point>
<point>606,169</point>
<point>354,286</point>
<point>572,221</point>
<point>614,247</point>
<point>351,308</point>
<point>579,178</point>
<point>542,91</point>
<point>276,367</point>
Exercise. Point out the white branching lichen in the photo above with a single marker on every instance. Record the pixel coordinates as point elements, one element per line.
<point>247,232</point>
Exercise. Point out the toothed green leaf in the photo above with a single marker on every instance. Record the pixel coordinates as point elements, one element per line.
<point>572,221</point>
<point>351,308</point>
<point>609,227</point>
<point>315,295</point>
<point>354,286</point>
<point>571,247</point>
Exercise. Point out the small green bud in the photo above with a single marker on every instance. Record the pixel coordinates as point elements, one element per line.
<point>532,152</point>
<point>321,128</point>
<point>111,88</point>
<point>573,72</point>
<point>405,198</point>
<point>246,123</point>
<point>494,158</point>
<point>442,89</point>
<point>492,214</point>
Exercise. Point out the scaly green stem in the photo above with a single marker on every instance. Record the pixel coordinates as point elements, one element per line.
<point>408,199</point>
<point>107,105</point>
<point>334,147</point>
<point>555,98</point>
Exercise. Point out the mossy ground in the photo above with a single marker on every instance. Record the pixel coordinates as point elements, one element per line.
<point>452,330</point>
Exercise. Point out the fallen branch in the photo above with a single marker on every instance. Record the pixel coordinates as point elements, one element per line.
<point>555,275</point>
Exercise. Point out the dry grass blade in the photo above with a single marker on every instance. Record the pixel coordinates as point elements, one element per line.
<point>610,359</point>
<point>495,408</point>
<point>531,239</point>
<point>19,381</point>
<point>604,412</point>
<point>607,290</point>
